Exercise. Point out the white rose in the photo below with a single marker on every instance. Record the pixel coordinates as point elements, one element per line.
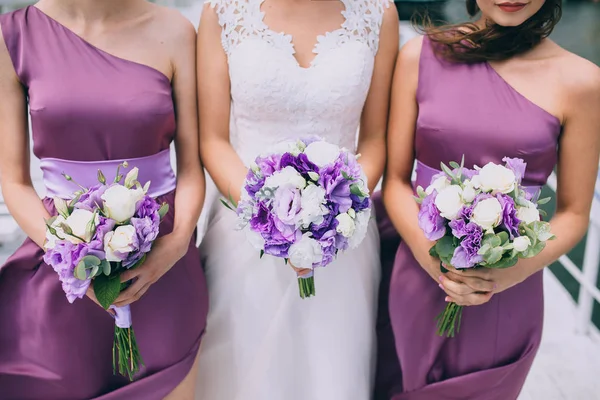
<point>121,240</point>
<point>119,202</point>
<point>438,185</point>
<point>528,213</point>
<point>469,193</point>
<point>312,205</point>
<point>487,213</point>
<point>362,225</point>
<point>521,243</point>
<point>255,239</point>
<point>346,225</point>
<point>449,202</point>
<point>305,253</point>
<point>322,153</point>
<point>287,176</point>
<point>78,221</point>
<point>497,179</point>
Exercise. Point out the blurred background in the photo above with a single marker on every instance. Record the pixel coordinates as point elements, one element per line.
<point>569,359</point>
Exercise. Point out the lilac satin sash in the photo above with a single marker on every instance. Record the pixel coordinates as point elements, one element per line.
<point>425,173</point>
<point>155,168</point>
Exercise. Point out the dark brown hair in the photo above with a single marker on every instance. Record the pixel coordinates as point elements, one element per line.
<point>469,43</point>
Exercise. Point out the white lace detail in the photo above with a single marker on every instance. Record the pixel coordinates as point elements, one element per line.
<point>275,99</point>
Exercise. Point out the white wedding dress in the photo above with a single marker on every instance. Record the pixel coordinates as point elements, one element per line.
<point>262,341</point>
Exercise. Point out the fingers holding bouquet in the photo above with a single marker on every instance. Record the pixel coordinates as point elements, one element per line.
<point>464,290</point>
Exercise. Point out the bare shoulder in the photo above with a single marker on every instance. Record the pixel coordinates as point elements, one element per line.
<point>579,78</point>
<point>175,29</point>
<point>410,53</point>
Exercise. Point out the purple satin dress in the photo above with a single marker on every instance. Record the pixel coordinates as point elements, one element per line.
<point>470,110</point>
<point>89,106</point>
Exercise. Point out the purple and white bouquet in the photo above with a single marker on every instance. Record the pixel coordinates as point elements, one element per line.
<point>304,204</point>
<point>480,217</point>
<point>103,231</point>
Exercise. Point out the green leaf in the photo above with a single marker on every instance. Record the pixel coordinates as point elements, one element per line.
<point>445,248</point>
<point>232,201</point>
<point>355,190</point>
<point>454,165</point>
<point>505,262</point>
<point>80,271</point>
<point>433,252</point>
<point>448,171</point>
<point>226,204</point>
<point>484,249</point>
<point>503,236</point>
<point>534,250</point>
<point>91,261</point>
<point>262,253</point>
<point>163,210</point>
<point>421,192</point>
<point>107,289</point>
<point>542,230</point>
<point>544,200</point>
<point>105,265</point>
<point>494,255</point>
<point>95,270</point>
<point>492,240</point>
<point>346,176</point>
<point>75,200</point>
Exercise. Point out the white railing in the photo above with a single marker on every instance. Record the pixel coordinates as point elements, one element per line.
<point>587,277</point>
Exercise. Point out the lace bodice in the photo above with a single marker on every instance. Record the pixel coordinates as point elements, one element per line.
<point>274,99</point>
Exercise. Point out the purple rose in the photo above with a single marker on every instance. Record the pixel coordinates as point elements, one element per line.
<point>337,188</point>
<point>509,215</point>
<point>300,164</point>
<point>92,199</point>
<point>430,220</point>
<point>465,255</point>
<point>517,165</point>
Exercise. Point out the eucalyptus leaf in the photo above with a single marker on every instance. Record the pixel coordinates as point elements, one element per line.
<point>107,289</point>
<point>80,271</point>
<point>534,250</point>
<point>493,255</point>
<point>95,270</point>
<point>505,262</point>
<point>445,249</point>
<point>503,236</point>
<point>91,261</point>
<point>484,249</point>
<point>105,265</point>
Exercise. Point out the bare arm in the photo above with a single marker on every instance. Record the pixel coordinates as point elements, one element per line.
<point>397,187</point>
<point>23,202</point>
<point>579,149</point>
<point>373,126</point>
<point>214,102</point>
<point>190,175</point>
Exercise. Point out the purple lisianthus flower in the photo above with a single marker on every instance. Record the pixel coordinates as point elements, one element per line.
<point>92,199</point>
<point>287,205</point>
<point>147,231</point>
<point>465,255</point>
<point>299,163</point>
<point>517,165</point>
<point>328,244</point>
<point>509,215</point>
<point>430,220</point>
<point>147,207</point>
<point>104,226</point>
<point>359,204</point>
<point>253,183</point>
<point>337,188</point>
<point>469,173</point>
<point>63,258</point>
<point>269,164</point>
<point>262,220</point>
<point>328,225</point>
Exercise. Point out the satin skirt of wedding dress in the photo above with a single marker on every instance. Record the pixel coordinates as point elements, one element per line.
<point>263,342</point>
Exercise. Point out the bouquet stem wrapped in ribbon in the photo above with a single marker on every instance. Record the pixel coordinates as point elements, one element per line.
<point>99,233</point>
<point>304,203</point>
<point>480,218</point>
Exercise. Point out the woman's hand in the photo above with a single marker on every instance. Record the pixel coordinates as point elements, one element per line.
<point>481,280</point>
<point>165,253</point>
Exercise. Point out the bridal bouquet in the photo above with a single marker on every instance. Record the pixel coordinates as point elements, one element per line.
<point>480,218</point>
<point>305,204</point>
<point>103,231</point>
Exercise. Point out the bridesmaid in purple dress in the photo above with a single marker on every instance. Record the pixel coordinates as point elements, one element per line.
<point>487,90</point>
<point>101,79</point>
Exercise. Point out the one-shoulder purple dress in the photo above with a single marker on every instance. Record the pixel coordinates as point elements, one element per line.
<point>87,107</point>
<point>470,110</point>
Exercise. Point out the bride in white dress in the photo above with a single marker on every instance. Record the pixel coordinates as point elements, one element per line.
<point>259,87</point>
